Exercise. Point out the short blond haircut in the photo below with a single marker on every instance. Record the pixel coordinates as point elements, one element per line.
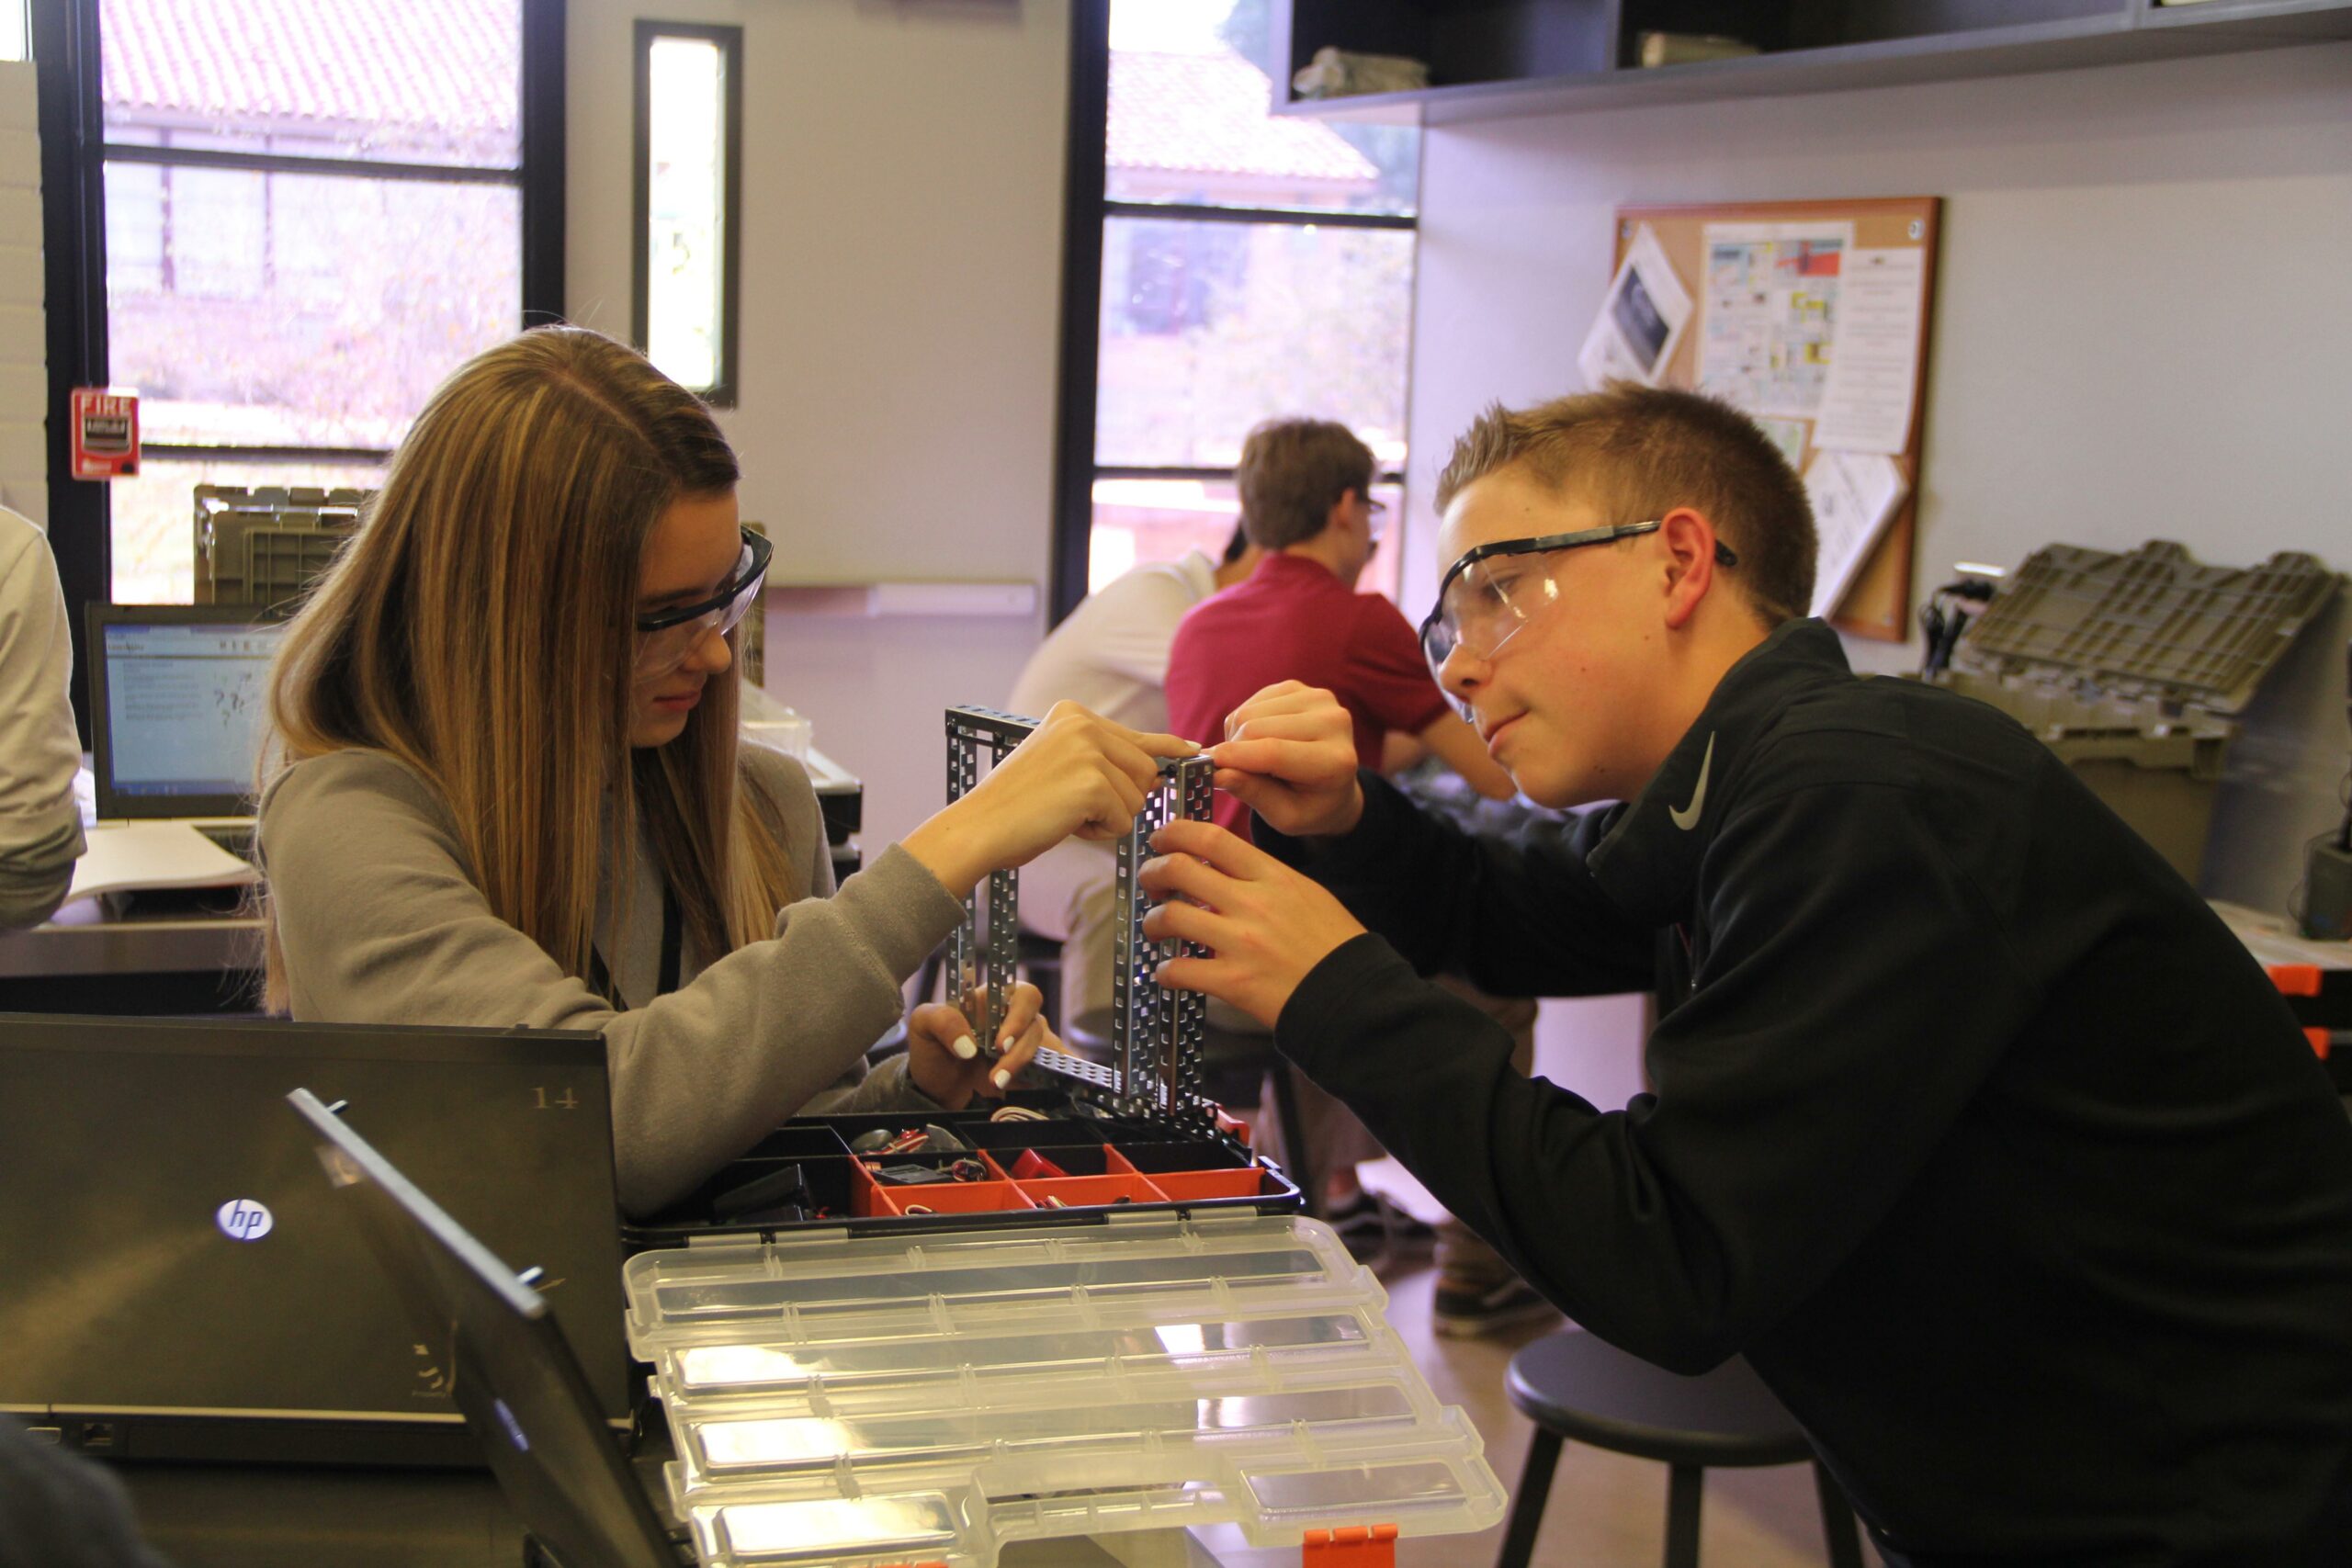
<point>1292,471</point>
<point>1639,452</point>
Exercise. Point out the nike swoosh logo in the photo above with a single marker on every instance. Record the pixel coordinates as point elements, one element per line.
<point>1688,818</point>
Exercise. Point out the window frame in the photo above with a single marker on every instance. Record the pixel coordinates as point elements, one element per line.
<point>1086,213</point>
<point>725,388</point>
<point>66,40</point>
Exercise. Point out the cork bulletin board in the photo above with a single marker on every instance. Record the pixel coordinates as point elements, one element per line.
<point>1878,601</point>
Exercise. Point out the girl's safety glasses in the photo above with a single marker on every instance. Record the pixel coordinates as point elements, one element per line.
<point>666,636</point>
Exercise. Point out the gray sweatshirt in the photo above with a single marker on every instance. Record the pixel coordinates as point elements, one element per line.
<point>381,924</point>
<point>41,826</point>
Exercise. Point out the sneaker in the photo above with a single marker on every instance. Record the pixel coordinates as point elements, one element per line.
<point>1369,1225</point>
<point>1464,1310</point>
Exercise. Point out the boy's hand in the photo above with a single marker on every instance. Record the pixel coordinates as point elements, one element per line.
<point>1289,754</point>
<point>1264,924</point>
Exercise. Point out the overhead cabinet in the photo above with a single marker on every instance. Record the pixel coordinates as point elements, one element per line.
<point>1492,59</point>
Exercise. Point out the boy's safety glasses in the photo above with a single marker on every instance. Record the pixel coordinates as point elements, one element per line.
<point>1496,589</point>
<point>666,636</point>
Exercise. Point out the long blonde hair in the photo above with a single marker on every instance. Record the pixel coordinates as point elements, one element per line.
<point>478,628</point>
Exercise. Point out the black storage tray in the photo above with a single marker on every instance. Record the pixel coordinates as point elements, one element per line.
<point>1081,1145</point>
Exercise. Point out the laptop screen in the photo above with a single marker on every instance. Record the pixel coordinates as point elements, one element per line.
<point>171,1253</point>
<point>514,1374</point>
<point>182,699</point>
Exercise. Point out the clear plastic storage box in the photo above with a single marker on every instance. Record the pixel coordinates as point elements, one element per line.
<point>864,1400</point>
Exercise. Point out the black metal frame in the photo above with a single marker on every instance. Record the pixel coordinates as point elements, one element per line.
<point>726,387</point>
<point>1086,210</point>
<point>74,259</point>
<point>1188,212</point>
<point>75,153</point>
<point>1084,183</point>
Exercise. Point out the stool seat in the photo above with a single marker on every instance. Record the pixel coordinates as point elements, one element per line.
<point>1575,1386</point>
<point>1584,1388</point>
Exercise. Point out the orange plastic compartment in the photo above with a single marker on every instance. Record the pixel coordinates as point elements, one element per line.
<point>1192,1186</point>
<point>1194,1170</point>
<point>867,1197</point>
<point>952,1198</point>
<point>1091,1191</point>
<point>995,1195</point>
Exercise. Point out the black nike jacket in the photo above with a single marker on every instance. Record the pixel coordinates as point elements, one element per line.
<point>1971,1127</point>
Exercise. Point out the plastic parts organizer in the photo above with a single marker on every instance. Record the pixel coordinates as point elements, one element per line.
<point>860,1401</point>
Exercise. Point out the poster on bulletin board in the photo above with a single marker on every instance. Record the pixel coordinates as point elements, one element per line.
<point>1814,318</point>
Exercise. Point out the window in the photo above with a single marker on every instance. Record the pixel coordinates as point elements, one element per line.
<point>1250,266</point>
<point>314,210</point>
<point>689,136</point>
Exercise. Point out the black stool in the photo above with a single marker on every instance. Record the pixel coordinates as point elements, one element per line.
<point>1576,1386</point>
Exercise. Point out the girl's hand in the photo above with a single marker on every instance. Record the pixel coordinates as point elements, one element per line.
<point>1077,773</point>
<point>944,1057</point>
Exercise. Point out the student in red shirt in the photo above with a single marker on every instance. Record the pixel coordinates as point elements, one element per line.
<point>1306,488</point>
<point>1306,500</point>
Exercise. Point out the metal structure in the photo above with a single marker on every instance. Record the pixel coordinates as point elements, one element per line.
<point>1156,1036</point>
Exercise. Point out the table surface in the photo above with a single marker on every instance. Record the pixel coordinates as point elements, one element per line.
<point>86,939</point>
<point>219,1517</point>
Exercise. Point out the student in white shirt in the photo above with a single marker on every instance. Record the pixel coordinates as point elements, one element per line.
<point>41,826</point>
<point>1110,656</point>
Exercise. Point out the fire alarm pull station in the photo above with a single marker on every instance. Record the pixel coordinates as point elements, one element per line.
<point>106,433</point>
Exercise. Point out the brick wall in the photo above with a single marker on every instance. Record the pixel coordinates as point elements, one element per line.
<point>24,376</point>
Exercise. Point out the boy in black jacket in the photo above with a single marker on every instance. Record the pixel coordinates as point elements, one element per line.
<point>1971,1127</point>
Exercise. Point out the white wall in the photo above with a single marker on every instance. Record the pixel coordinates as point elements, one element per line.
<point>24,345</point>
<point>2143,330</point>
<point>901,256</point>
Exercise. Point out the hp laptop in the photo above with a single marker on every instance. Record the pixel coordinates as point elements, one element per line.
<point>177,708</point>
<point>176,1283</point>
<point>511,1371</point>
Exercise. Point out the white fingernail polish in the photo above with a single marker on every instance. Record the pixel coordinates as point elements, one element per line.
<point>965,1047</point>
<point>1002,1079</point>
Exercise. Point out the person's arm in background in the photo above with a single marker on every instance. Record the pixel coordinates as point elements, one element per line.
<point>1457,745</point>
<point>1391,679</point>
<point>1398,752</point>
<point>41,826</point>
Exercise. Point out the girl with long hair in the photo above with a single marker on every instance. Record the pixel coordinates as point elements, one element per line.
<point>505,785</point>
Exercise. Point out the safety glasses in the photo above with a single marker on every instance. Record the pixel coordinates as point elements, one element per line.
<point>666,636</point>
<point>1496,589</point>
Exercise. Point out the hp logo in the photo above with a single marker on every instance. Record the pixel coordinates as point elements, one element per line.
<point>241,1218</point>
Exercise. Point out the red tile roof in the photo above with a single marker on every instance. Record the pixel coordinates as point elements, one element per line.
<point>407,72</point>
<point>1207,113</point>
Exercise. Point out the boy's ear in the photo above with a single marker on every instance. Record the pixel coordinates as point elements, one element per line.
<point>1690,541</point>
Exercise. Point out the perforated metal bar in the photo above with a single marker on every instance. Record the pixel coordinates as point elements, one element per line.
<point>986,955</point>
<point>1190,1101</point>
<point>963,773</point>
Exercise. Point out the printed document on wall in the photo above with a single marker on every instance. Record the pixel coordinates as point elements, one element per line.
<point>1853,494</point>
<point>1771,319</point>
<point>1874,362</point>
<point>1641,320</point>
